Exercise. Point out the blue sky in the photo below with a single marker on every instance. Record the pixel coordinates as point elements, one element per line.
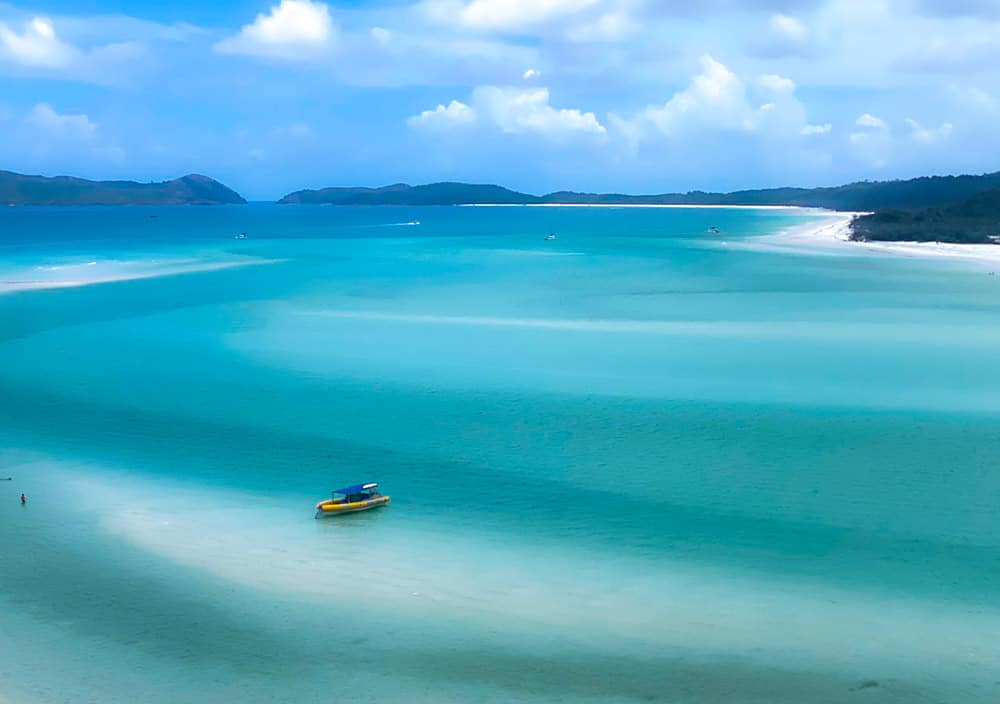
<point>628,95</point>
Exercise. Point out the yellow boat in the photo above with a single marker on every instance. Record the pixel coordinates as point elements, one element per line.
<point>351,499</point>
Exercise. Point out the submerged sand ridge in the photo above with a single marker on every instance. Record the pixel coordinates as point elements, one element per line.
<point>528,594</point>
<point>644,461</point>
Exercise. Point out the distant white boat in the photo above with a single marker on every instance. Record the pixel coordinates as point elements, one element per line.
<point>549,237</point>
<point>241,236</point>
<point>714,230</point>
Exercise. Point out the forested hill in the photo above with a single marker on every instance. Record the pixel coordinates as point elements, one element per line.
<point>912,194</point>
<point>447,193</point>
<point>973,220</point>
<point>193,189</point>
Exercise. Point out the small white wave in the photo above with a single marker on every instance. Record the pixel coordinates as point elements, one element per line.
<point>719,329</point>
<point>534,253</point>
<point>647,327</point>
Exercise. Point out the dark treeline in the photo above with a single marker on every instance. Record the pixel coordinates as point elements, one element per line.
<point>912,194</point>
<point>973,220</point>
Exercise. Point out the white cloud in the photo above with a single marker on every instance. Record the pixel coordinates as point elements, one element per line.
<point>294,29</point>
<point>609,27</point>
<point>929,135</point>
<point>48,120</point>
<point>870,121</point>
<point>717,99</point>
<point>381,35</point>
<point>873,143</point>
<point>502,15</point>
<point>297,130</point>
<point>788,28</point>
<point>455,114</point>
<point>976,99</point>
<point>36,46</point>
<point>394,57</point>
<point>777,84</point>
<point>513,110</point>
<point>812,130</point>
<point>714,97</point>
<point>531,73</point>
<point>784,36</point>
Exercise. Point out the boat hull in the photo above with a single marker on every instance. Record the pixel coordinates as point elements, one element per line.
<point>325,509</point>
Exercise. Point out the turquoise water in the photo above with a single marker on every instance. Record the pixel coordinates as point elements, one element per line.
<point>639,463</point>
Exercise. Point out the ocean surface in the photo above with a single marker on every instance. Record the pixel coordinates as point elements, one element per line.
<point>643,462</point>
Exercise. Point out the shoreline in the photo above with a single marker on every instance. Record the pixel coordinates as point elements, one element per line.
<point>834,238</point>
<point>693,206</point>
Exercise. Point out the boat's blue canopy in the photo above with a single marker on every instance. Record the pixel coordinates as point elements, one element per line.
<point>356,488</point>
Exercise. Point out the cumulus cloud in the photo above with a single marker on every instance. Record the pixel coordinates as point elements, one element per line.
<point>516,111</point>
<point>870,121</point>
<point>717,99</point>
<point>455,114</point>
<point>976,99</point>
<point>969,51</point>
<point>812,130</point>
<point>714,97</point>
<point>961,8</point>
<point>419,56</point>
<point>36,46</point>
<point>609,27</point>
<point>45,118</point>
<point>531,73</point>
<point>777,84</point>
<point>502,15</point>
<point>293,29</point>
<point>928,135</point>
<point>784,36</point>
<point>872,143</point>
<point>788,28</point>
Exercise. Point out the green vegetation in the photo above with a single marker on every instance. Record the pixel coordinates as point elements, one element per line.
<point>911,194</point>
<point>194,189</point>
<point>974,220</point>
<point>447,193</point>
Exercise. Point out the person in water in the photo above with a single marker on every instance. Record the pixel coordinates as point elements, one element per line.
<point>24,499</point>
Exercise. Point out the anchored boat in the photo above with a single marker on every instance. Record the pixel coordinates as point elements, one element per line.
<point>351,499</point>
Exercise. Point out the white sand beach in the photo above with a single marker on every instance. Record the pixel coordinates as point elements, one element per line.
<point>683,206</point>
<point>828,236</point>
<point>832,236</point>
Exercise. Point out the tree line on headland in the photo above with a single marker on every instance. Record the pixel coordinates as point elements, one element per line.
<point>931,208</point>
<point>975,220</point>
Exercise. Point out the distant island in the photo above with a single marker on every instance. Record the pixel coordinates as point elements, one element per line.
<point>912,194</point>
<point>445,193</point>
<point>975,220</point>
<point>193,189</point>
<point>961,209</point>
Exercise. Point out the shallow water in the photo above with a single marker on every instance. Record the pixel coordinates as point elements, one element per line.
<point>639,463</point>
